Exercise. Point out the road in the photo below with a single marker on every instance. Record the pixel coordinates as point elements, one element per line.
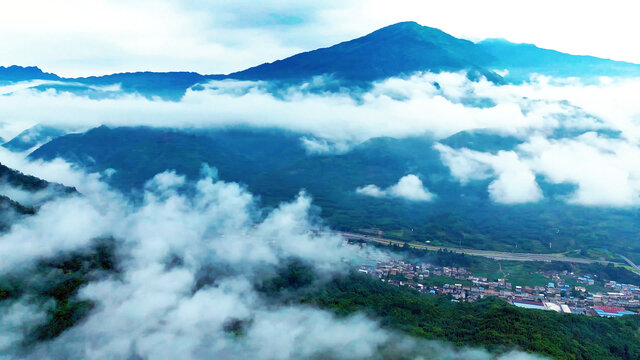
<point>636,268</point>
<point>496,255</point>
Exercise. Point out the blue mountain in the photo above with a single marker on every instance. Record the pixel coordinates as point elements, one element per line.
<point>407,47</point>
<point>167,85</point>
<point>396,50</point>
<point>399,49</point>
<point>524,59</point>
<point>16,73</point>
<point>37,135</point>
<point>273,165</point>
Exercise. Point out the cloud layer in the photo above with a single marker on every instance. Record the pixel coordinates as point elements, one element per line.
<point>433,104</point>
<point>152,307</point>
<point>409,187</point>
<point>551,117</point>
<point>603,170</point>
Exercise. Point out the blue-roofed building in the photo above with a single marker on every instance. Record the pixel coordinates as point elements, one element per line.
<point>529,304</point>
<point>611,311</point>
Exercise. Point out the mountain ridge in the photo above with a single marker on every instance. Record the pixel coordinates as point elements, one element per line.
<point>399,49</point>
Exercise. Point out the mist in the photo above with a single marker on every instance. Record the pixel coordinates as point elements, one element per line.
<point>426,103</point>
<point>554,118</point>
<point>156,307</point>
<point>409,187</point>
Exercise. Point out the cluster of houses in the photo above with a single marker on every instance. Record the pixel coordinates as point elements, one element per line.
<point>557,295</point>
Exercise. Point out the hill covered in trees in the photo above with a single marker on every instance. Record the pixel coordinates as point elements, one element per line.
<point>491,323</point>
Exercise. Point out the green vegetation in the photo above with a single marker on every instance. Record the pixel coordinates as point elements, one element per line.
<point>438,280</point>
<point>66,313</point>
<point>6,203</point>
<point>55,285</point>
<point>490,323</point>
<point>523,273</point>
<point>27,182</point>
<point>601,273</point>
<point>10,208</point>
<point>273,165</point>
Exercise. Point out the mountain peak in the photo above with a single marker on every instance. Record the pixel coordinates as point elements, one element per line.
<point>404,25</point>
<point>395,50</point>
<point>21,73</point>
<point>410,27</point>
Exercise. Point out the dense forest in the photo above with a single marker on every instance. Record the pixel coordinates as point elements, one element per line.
<point>54,285</point>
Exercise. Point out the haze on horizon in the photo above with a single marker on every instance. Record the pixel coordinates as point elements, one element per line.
<point>76,38</point>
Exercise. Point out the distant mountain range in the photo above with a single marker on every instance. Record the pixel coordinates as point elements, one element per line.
<point>396,50</point>
<point>16,73</point>
<point>274,165</point>
<point>407,47</point>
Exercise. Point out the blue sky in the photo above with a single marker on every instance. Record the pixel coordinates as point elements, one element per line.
<point>78,37</point>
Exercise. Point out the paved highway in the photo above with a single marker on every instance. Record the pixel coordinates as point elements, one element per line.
<point>496,255</point>
<point>637,269</point>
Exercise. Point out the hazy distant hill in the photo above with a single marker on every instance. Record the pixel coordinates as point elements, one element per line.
<point>524,59</point>
<point>18,73</point>
<point>30,183</point>
<point>34,136</point>
<point>166,85</point>
<point>13,179</point>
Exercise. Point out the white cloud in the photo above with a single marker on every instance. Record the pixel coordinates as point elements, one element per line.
<point>26,197</point>
<point>603,169</point>
<point>63,225</point>
<point>119,36</point>
<point>409,187</point>
<point>515,181</point>
<point>165,182</point>
<point>17,320</point>
<point>155,311</point>
<point>335,117</point>
<point>372,190</point>
<point>332,122</point>
<point>315,146</point>
<point>226,36</point>
<point>304,333</point>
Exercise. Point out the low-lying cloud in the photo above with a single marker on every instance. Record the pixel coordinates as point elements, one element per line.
<point>547,114</point>
<point>393,107</point>
<point>409,187</point>
<point>514,182</point>
<point>603,170</point>
<point>152,308</point>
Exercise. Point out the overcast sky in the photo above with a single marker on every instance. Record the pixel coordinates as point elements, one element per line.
<point>80,37</point>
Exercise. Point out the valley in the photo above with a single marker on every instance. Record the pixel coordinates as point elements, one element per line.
<point>495,255</point>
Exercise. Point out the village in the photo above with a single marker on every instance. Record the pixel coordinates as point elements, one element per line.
<point>557,295</point>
